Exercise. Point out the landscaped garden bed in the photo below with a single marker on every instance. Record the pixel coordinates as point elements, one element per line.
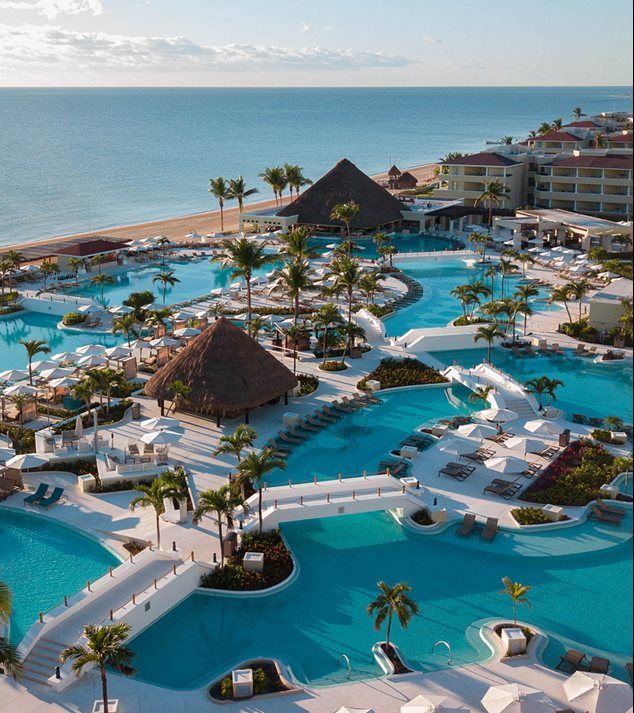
<point>307,384</point>
<point>333,366</point>
<point>423,518</point>
<point>531,516</point>
<point>266,679</point>
<point>393,657</point>
<point>392,373</point>
<point>576,476</point>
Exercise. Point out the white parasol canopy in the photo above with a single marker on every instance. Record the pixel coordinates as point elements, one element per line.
<point>118,352</point>
<point>21,390</point>
<point>598,693</point>
<point>542,427</point>
<point>433,704</point>
<point>161,438</point>
<point>43,365</point>
<point>65,357</point>
<point>91,350</point>
<point>6,454</point>
<point>56,372</point>
<point>64,382</point>
<point>164,342</point>
<point>525,445</point>
<point>506,464</point>
<point>514,698</point>
<point>91,361</point>
<point>121,309</point>
<point>159,423</point>
<point>14,375</point>
<point>477,430</point>
<point>180,316</point>
<point>347,709</point>
<point>26,461</point>
<point>456,445</point>
<point>91,309</point>
<point>187,332</point>
<point>497,415</point>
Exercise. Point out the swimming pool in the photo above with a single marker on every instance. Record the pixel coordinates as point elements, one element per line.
<point>403,242</point>
<point>42,561</point>
<point>33,325</point>
<point>437,307</point>
<point>321,615</point>
<point>362,439</point>
<point>592,389</point>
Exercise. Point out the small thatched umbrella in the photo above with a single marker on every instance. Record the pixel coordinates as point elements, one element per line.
<point>227,372</point>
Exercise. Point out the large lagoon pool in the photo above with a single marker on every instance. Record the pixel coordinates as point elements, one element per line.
<point>439,276</point>
<point>42,561</point>
<point>362,439</point>
<point>581,600</point>
<point>592,389</point>
<point>403,242</point>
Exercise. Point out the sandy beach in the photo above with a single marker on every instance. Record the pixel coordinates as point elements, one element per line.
<point>178,227</point>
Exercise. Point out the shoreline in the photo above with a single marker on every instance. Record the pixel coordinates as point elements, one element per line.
<point>177,227</point>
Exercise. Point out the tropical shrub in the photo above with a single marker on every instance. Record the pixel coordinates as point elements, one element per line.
<point>529,516</point>
<point>601,434</point>
<point>307,383</point>
<point>392,373</point>
<point>422,517</point>
<point>8,297</point>
<point>580,330</point>
<point>333,366</point>
<point>463,321</point>
<point>10,309</point>
<point>22,439</point>
<point>380,310</point>
<point>72,318</point>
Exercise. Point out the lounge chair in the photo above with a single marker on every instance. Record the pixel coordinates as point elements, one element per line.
<point>330,412</point>
<point>529,351</point>
<point>490,529</point>
<point>549,452</point>
<point>148,449</point>
<point>459,475</point>
<point>505,489</point>
<point>467,526</point>
<point>396,467</point>
<point>53,498</point>
<point>35,497</point>
<point>354,403</point>
<point>545,349</point>
<point>605,507</point>
<point>500,437</point>
<point>480,455</point>
<point>296,434</point>
<point>557,349</point>
<point>578,418</point>
<point>133,449</point>
<point>316,421</point>
<point>571,660</point>
<point>308,426</point>
<point>630,669</point>
<point>461,466</point>
<point>531,470</point>
<point>580,350</point>
<point>415,440</point>
<point>602,516</point>
<point>285,438</point>
<point>599,665</point>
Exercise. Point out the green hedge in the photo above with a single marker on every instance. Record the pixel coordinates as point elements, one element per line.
<point>10,309</point>
<point>392,373</point>
<point>71,319</point>
<point>333,366</point>
<point>529,516</point>
<point>307,383</point>
<point>580,330</point>
<point>8,297</point>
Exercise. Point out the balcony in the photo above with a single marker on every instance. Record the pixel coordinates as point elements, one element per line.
<point>564,172</point>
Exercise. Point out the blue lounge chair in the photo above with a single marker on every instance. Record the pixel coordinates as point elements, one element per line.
<point>35,497</point>
<point>53,498</point>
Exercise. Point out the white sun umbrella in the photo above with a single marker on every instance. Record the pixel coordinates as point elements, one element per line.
<point>26,461</point>
<point>432,704</point>
<point>180,316</point>
<point>542,427</point>
<point>56,372</point>
<point>164,342</point>
<point>506,464</point>
<point>29,268</point>
<point>14,375</point>
<point>477,430</point>
<point>187,332</point>
<point>64,382</point>
<point>92,361</point>
<point>260,280</point>
<point>203,314</point>
<point>161,438</point>
<point>456,445</point>
<point>160,423</point>
<point>91,309</point>
<point>118,352</point>
<point>121,309</point>
<point>43,365</point>
<point>91,350</point>
<point>216,292</point>
<point>497,415</point>
<point>347,709</point>
<point>21,390</point>
<point>237,285</point>
<point>6,454</point>
<point>514,698</point>
<point>65,357</point>
<point>525,445</point>
<point>79,427</point>
<point>598,693</point>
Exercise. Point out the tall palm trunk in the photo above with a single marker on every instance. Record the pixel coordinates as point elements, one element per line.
<point>222,553</point>
<point>325,344</point>
<point>388,630</point>
<point>104,688</point>
<point>158,531</point>
<point>260,506</point>
<point>248,279</point>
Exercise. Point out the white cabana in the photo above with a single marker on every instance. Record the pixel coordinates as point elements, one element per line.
<point>456,445</point>
<point>497,415</point>
<point>91,350</point>
<point>65,357</point>
<point>160,423</point>
<point>91,309</point>
<point>598,693</point>
<point>118,352</point>
<point>541,427</point>
<point>21,390</point>
<point>525,445</point>
<point>187,332</point>
<point>506,464</point>
<point>161,438</point>
<point>92,361</point>
<point>26,461</point>
<point>514,698</point>
<point>57,372</point>
<point>164,342</point>
<point>477,430</point>
<point>433,704</point>
<point>12,375</point>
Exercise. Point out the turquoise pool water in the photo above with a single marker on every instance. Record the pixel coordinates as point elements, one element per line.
<point>403,242</point>
<point>196,277</point>
<point>582,600</point>
<point>32,325</point>
<point>592,389</point>
<point>42,561</point>
<point>362,439</point>
<point>437,307</point>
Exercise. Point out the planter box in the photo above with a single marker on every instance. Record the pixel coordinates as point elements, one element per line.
<point>514,641</point>
<point>553,512</point>
<point>373,385</point>
<point>242,682</point>
<point>113,706</point>
<point>253,561</point>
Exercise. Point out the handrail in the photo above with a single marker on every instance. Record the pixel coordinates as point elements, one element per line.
<point>448,645</point>
<point>347,660</point>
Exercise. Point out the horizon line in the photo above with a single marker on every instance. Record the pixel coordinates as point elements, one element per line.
<point>324,86</point>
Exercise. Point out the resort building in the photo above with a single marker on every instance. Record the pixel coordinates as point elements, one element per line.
<point>606,306</point>
<point>88,249</point>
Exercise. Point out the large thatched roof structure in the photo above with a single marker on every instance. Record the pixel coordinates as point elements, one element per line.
<point>344,183</point>
<point>227,371</point>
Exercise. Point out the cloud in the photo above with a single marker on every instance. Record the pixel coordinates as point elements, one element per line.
<point>53,8</point>
<point>305,28</point>
<point>431,40</point>
<point>38,46</point>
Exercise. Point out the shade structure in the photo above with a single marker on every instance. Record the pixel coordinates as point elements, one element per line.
<point>433,704</point>
<point>160,423</point>
<point>477,430</point>
<point>12,375</point>
<point>6,454</point>
<point>39,366</point>
<point>65,357</point>
<point>121,309</point>
<point>506,464</point>
<point>347,709</point>
<point>187,332</point>
<point>497,415</point>
<point>26,461</point>
<point>180,316</point>
<point>57,372</point>
<point>91,309</point>
<point>161,438</point>
<point>21,390</point>
<point>456,445</point>
<point>514,698</point>
<point>79,427</point>
<point>64,382</point>
<point>596,692</point>
<point>118,352</point>
<point>91,350</point>
<point>542,427</point>
<point>525,445</point>
<point>92,361</point>
<point>226,370</point>
<point>164,342</point>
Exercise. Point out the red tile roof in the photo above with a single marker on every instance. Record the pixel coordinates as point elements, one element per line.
<point>619,162</point>
<point>484,158</point>
<point>558,136</point>
<point>582,125</point>
<point>91,247</point>
<point>619,137</point>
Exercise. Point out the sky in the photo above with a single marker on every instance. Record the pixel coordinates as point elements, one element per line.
<point>315,43</point>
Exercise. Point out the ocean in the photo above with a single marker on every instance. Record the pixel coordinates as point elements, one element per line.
<point>73,160</point>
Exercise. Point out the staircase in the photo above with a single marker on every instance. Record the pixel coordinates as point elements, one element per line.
<point>40,664</point>
<point>521,407</point>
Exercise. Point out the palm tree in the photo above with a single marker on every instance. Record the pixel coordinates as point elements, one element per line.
<point>389,250</point>
<point>139,302</point>
<point>328,316</point>
<point>540,385</point>
<point>479,239</point>
<point>599,140</point>
<point>153,496</point>
<point>180,392</point>
<point>506,268</point>
<point>369,285</point>
<point>6,268</point>
<point>221,503</point>
<point>523,294</point>
<point>158,319</point>
<point>490,273</point>
<point>346,273</point>
<point>506,140</point>
<point>75,264</point>
<point>243,437</point>
<point>489,333</point>
<point>243,257</point>
<point>104,648</point>
<point>33,348</point>
<point>560,294</point>
<point>345,213</point>
<point>294,333</point>
<point>254,468</point>
<point>163,242</point>
<point>220,190</point>
<point>99,260</point>
<point>101,280</point>
<point>275,177</point>
<point>104,380</point>
<point>255,326</point>
<point>9,659</point>
<point>18,400</point>
<point>625,320</point>
<point>392,600</point>
<point>294,277</point>
<point>556,124</point>
<point>353,332</point>
<point>464,295</point>
<point>15,257</point>
<point>295,178</point>
<point>525,259</point>
<point>296,243</point>
<point>239,191</point>
<point>544,128</point>
<point>578,290</point>
<point>517,592</point>
<point>84,390</point>
<point>48,268</point>
<point>165,278</point>
<point>125,324</point>
<point>494,194</point>
<point>577,113</point>
<point>481,394</point>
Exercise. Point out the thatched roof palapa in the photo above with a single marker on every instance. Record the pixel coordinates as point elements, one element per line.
<point>344,183</point>
<point>227,371</point>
